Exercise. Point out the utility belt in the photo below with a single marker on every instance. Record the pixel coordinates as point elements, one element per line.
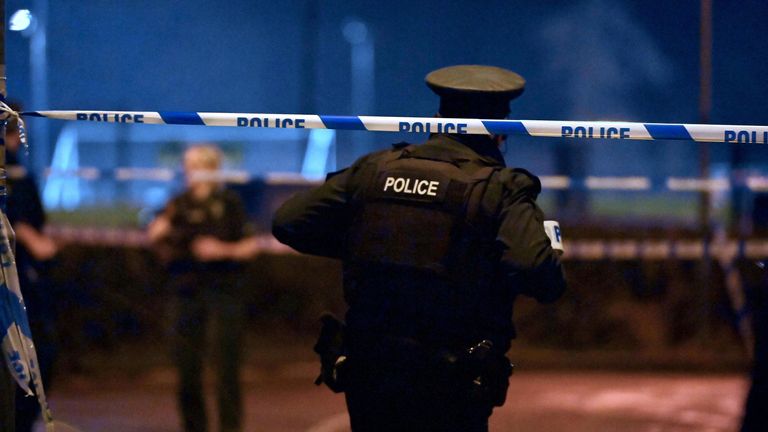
<point>479,371</point>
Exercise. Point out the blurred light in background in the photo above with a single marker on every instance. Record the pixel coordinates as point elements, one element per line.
<point>33,29</point>
<point>319,158</point>
<point>62,190</point>
<point>21,20</point>
<point>355,32</point>
<point>363,85</point>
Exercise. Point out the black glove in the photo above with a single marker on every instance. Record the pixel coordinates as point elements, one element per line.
<point>330,347</point>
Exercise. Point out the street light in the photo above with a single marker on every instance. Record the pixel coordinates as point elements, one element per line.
<point>22,21</point>
<point>32,25</point>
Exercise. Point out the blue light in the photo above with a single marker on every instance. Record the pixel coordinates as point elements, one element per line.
<point>21,20</point>
<point>355,32</point>
<point>319,147</point>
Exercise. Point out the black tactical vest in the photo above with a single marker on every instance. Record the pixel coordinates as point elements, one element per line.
<point>421,255</point>
<point>420,213</point>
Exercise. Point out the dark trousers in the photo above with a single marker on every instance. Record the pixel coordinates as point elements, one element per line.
<point>39,297</point>
<point>7,404</point>
<point>204,298</point>
<point>756,407</point>
<point>410,395</point>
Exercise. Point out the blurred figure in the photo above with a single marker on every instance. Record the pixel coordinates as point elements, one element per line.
<point>437,240</point>
<point>35,254</point>
<point>203,237</point>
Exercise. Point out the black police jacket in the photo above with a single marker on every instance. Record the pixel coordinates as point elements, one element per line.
<point>407,273</point>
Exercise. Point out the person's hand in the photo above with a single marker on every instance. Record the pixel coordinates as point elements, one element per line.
<point>248,248</point>
<point>209,248</point>
<point>159,228</point>
<point>45,249</point>
<point>39,245</point>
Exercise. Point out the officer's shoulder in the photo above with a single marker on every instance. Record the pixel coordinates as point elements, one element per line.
<point>376,156</point>
<point>520,180</point>
<point>365,161</point>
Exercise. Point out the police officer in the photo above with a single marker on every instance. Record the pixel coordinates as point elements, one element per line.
<point>35,258</point>
<point>203,235</point>
<point>437,240</point>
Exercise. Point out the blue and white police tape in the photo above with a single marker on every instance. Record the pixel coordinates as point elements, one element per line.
<point>740,134</point>
<point>7,113</point>
<point>552,229</point>
<point>15,333</point>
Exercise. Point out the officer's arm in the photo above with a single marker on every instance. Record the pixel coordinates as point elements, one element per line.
<point>160,228</point>
<point>527,258</point>
<point>315,221</point>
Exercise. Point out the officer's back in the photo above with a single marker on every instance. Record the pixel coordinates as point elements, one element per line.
<point>436,240</point>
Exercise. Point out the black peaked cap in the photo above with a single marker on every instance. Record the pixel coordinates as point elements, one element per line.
<point>475,91</point>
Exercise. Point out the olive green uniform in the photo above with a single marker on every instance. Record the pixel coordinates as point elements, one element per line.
<point>206,291</point>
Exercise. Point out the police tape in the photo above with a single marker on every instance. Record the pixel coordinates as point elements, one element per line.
<point>725,250</point>
<point>16,343</point>
<point>754,183</point>
<point>740,134</point>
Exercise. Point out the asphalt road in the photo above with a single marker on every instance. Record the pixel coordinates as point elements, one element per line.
<point>285,400</point>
